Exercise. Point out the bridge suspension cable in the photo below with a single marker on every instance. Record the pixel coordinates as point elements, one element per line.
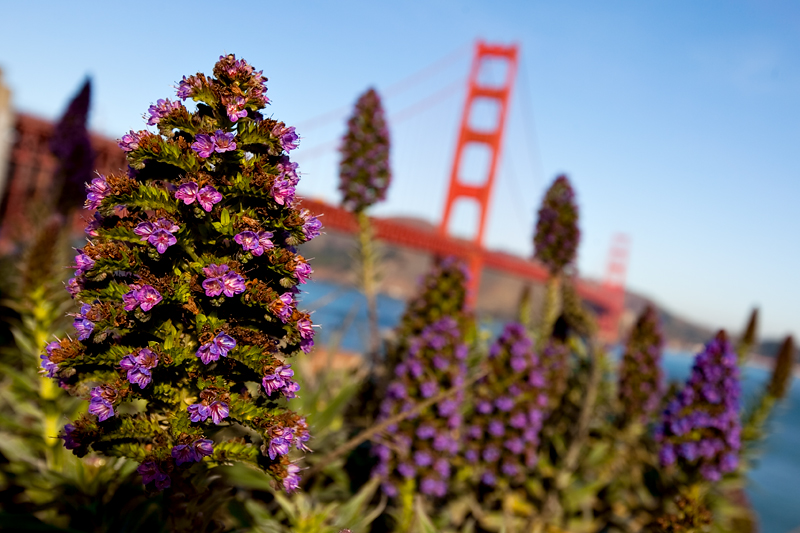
<point>392,90</point>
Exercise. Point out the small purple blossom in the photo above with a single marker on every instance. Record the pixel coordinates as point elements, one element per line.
<point>232,283</point>
<point>219,411</point>
<point>207,197</point>
<point>183,453</point>
<point>161,109</point>
<point>302,272</point>
<point>283,191</point>
<point>292,481</point>
<point>198,412</point>
<point>203,144</point>
<point>187,192</point>
<point>97,190</point>
<point>148,297</point>
<point>130,141</point>
<point>223,142</point>
<point>236,109</point>
<point>83,262</point>
<point>286,136</point>
<point>311,226</point>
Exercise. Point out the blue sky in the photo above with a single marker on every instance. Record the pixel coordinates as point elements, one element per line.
<point>678,122</point>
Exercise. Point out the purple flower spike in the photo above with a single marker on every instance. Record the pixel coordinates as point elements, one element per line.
<point>187,192</point>
<point>161,239</point>
<point>219,411</point>
<point>204,145</point>
<point>198,412</point>
<point>207,197</point>
<point>223,142</point>
<point>148,297</point>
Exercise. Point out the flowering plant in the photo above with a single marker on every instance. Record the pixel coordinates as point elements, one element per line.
<point>188,289</point>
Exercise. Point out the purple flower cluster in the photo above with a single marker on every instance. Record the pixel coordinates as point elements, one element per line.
<point>701,427</point>
<point>220,142</point>
<point>206,197</point>
<point>211,406</point>
<point>287,136</point>
<point>83,263</point>
<point>139,366</point>
<point>364,172</point>
<point>96,191</point>
<point>557,234</point>
<point>191,453</point>
<point>423,446</point>
<point>254,242</point>
<point>82,324</point>
<point>283,306</point>
<point>145,296</point>
<point>312,225</point>
<point>49,368</point>
<point>306,329</point>
<point>302,271</point>
<point>640,377</point>
<point>219,347</point>
<point>150,472</point>
<point>221,280</point>
<point>130,141</point>
<point>161,109</point>
<point>101,402</point>
<point>280,380</point>
<point>283,437</point>
<point>158,233</point>
<point>156,227</point>
<point>508,408</point>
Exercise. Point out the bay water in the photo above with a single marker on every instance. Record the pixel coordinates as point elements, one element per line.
<point>774,484</point>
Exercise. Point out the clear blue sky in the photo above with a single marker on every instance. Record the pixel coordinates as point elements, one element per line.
<point>678,122</point>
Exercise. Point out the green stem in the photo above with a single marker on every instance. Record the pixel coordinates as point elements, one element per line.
<point>369,284</point>
<point>552,308</point>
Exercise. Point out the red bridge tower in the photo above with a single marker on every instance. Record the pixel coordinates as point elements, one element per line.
<point>480,192</point>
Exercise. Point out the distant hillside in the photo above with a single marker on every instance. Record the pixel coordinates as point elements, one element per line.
<point>334,256</point>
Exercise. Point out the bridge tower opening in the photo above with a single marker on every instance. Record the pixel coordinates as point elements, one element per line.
<point>491,79</point>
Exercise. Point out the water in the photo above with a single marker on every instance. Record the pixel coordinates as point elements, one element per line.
<point>774,480</point>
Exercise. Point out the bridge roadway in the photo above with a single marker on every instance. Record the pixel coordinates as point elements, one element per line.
<point>605,300</point>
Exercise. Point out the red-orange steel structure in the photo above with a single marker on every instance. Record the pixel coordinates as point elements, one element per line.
<point>614,285</point>
<point>481,192</point>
